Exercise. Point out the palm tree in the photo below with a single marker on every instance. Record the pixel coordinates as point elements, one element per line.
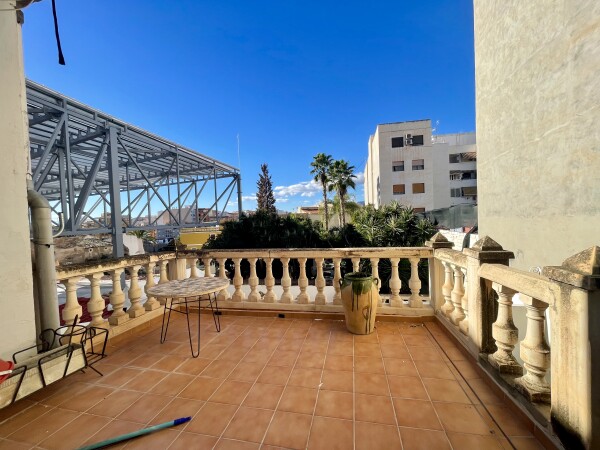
<point>341,178</point>
<point>321,165</point>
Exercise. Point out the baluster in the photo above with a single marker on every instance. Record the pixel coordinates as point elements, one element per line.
<point>269,281</point>
<point>72,306</point>
<point>286,282</point>
<point>320,298</point>
<point>505,333</point>
<point>464,324</point>
<point>238,295</point>
<point>375,274</point>
<point>355,264</point>
<point>337,276</point>
<point>302,282</point>
<point>414,283</point>
<point>535,352</point>
<point>96,304</point>
<point>164,278</point>
<point>253,281</point>
<point>151,303</point>
<point>207,269</point>
<point>395,284</point>
<point>223,293</point>
<point>117,300</point>
<point>135,293</point>
<point>193,268</point>
<point>456,295</point>
<point>447,307</point>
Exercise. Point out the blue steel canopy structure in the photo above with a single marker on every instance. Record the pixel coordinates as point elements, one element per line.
<point>85,162</point>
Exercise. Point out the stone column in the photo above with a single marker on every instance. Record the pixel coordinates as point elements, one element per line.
<point>337,276</point>
<point>151,303</point>
<point>193,267</point>
<point>575,354</point>
<point>117,300</point>
<point>375,274</point>
<point>135,294</point>
<point>223,293</point>
<point>302,283</point>
<point>238,281</point>
<point>464,324</point>
<point>535,353</point>
<point>481,299</point>
<point>96,304</point>
<point>286,282</point>
<point>447,288</point>
<point>355,264</point>
<point>457,295</point>
<point>269,282</point>
<point>72,307</point>
<point>207,270</point>
<point>254,296</point>
<point>505,333</point>
<point>436,270</point>
<point>395,284</point>
<point>320,298</point>
<point>414,284</point>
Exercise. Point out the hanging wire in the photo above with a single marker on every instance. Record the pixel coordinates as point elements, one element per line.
<point>61,58</point>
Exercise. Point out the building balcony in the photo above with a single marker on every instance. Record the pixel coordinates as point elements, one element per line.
<point>445,368</point>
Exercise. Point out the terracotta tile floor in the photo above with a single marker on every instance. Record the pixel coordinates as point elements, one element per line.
<point>269,382</point>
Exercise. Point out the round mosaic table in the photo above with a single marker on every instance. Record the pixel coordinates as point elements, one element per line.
<point>184,293</point>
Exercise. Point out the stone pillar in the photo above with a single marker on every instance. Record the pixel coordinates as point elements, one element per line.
<point>72,307</point>
<point>269,282</point>
<point>375,275</point>
<point>223,293</point>
<point>337,276</point>
<point>286,282</point>
<point>447,289</point>
<point>457,295</point>
<point>193,267</point>
<point>464,324</point>
<point>481,298</point>
<point>505,333</point>
<point>238,281</point>
<point>151,303</point>
<point>117,300</point>
<point>96,304</point>
<point>320,298</point>
<point>436,270</point>
<point>395,284</point>
<point>575,354</point>
<point>355,264</point>
<point>414,283</point>
<point>135,294</point>
<point>207,270</point>
<point>254,296</point>
<point>302,297</point>
<point>177,269</point>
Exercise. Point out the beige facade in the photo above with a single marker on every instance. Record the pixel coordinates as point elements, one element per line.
<point>406,165</point>
<point>538,109</point>
<point>17,321</point>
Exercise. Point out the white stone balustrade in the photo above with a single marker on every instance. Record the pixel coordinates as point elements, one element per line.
<point>117,300</point>
<point>457,295</point>
<point>135,294</point>
<point>505,333</point>
<point>96,304</point>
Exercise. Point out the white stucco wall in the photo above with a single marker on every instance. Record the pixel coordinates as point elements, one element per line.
<point>17,318</point>
<point>538,139</point>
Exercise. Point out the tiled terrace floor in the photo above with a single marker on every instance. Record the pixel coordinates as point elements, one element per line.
<point>273,383</point>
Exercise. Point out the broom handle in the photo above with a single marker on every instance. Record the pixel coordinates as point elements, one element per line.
<point>135,434</point>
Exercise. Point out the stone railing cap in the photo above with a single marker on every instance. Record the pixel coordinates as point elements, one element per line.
<point>487,249</point>
<point>581,270</point>
<point>438,240</point>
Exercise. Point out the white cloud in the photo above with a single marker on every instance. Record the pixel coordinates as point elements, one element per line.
<point>282,199</point>
<point>303,189</point>
<point>249,198</point>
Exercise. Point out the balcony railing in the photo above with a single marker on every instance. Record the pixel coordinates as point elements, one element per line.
<point>470,292</point>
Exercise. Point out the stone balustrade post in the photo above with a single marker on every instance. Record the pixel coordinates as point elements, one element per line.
<point>355,264</point>
<point>135,293</point>
<point>337,276</point>
<point>72,307</point>
<point>436,270</point>
<point>395,284</point>
<point>481,299</point>
<point>253,281</point>
<point>96,304</point>
<point>238,281</point>
<point>535,353</point>
<point>286,282</point>
<point>177,269</point>
<point>320,298</point>
<point>414,284</point>
<point>457,295</point>
<point>302,283</point>
<point>447,288</point>
<point>223,294</point>
<point>164,278</point>
<point>269,282</point>
<point>117,300</point>
<point>464,324</point>
<point>193,267</point>
<point>375,275</point>
<point>207,269</point>
<point>151,303</point>
<point>575,349</point>
<point>505,333</point>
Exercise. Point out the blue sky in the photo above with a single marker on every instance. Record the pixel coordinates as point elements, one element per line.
<point>291,78</point>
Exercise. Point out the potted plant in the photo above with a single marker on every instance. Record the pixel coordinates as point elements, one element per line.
<point>359,296</point>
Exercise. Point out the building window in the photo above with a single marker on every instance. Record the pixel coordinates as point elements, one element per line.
<point>417,139</point>
<point>457,192</point>
<point>454,158</point>
<point>398,166</point>
<point>398,189</point>
<point>418,188</point>
<point>419,210</point>
<point>455,176</point>
<point>418,164</point>
<point>398,142</point>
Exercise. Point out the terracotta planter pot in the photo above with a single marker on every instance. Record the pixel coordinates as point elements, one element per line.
<point>359,297</point>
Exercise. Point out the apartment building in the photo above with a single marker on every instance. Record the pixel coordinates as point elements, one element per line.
<point>407,164</point>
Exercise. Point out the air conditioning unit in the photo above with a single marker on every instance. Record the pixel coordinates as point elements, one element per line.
<point>408,140</point>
